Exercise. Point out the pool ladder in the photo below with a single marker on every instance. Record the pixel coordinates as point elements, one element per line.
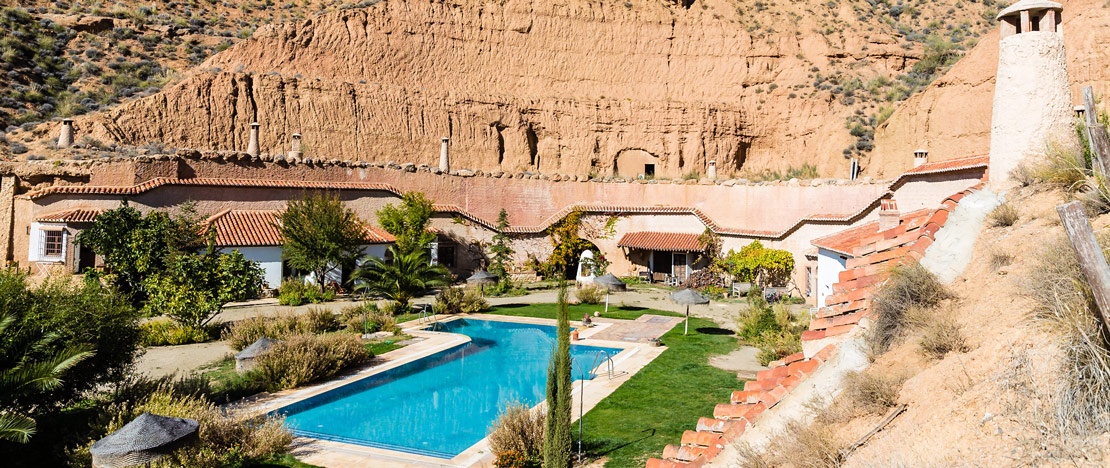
<point>598,360</point>
<point>427,314</point>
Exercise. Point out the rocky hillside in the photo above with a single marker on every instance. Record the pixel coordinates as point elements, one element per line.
<point>564,86</point>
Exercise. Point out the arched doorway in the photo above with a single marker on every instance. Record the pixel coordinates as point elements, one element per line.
<point>635,162</point>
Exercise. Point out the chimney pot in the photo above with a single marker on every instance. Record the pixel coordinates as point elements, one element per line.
<point>65,138</point>
<point>920,157</point>
<point>444,161</point>
<point>889,217</point>
<point>252,147</point>
<point>295,146</point>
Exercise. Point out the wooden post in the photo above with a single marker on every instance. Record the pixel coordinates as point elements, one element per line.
<point>1097,140</point>
<point>1091,259</point>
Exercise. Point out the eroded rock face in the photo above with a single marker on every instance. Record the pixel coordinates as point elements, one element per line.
<point>554,87</point>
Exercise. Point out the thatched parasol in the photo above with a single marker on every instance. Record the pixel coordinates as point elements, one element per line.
<point>482,278</point>
<point>143,440</point>
<point>688,296</point>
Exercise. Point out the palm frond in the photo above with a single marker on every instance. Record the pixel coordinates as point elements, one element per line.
<point>16,427</point>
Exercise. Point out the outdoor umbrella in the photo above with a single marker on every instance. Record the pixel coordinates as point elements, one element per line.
<point>688,296</point>
<point>611,283</point>
<point>143,440</point>
<point>482,278</point>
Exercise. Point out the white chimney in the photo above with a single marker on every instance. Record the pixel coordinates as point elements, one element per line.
<point>712,170</point>
<point>252,147</point>
<point>295,146</point>
<point>444,162</point>
<point>65,139</point>
<point>920,157</point>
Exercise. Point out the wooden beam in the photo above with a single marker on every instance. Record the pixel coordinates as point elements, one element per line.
<point>1097,140</point>
<point>1091,259</point>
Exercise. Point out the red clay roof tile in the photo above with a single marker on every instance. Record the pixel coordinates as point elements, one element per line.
<point>662,241</point>
<point>261,228</point>
<point>79,215</point>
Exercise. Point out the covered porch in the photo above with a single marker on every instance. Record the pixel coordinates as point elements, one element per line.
<point>662,257</point>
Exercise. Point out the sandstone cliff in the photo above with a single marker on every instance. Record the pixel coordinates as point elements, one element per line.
<point>558,87</point>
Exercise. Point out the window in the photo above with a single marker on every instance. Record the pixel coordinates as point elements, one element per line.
<point>649,170</point>
<point>52,243</point>
<point>447,255</point>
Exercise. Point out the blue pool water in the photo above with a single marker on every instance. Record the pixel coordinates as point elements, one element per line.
<point>442,404</point>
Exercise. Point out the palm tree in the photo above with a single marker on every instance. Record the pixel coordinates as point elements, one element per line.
<point>21,375</point>
<point>409,274</point>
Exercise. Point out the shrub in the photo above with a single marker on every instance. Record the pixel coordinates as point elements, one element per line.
<point>590,295</point>
<point>292,292</point>
<point>245,332</point>
<point>393,308</point>
<point>165,332</point>
<point>225,438</point>
<point>908,286</point>
<point>1004,215</point>
<point>516,438</point>
<point>302,359</point>
<point>1000,259</point>
<point>459,301</point>
<point>774,330</point>
<point>366,318</point>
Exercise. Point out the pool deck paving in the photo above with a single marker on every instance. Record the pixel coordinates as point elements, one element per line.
<point>633,337</point>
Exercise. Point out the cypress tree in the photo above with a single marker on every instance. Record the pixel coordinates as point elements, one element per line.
<point>557,437</point>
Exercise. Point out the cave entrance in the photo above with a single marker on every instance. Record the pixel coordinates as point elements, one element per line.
<point>649,170</point>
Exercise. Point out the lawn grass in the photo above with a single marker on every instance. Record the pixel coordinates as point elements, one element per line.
<point>378,348</point>
<point>288,461</point>
<point>663,399</point>
<point>577,311</point>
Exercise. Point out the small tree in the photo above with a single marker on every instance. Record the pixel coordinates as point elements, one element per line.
<point>134,247</point>
<point>321,235</point>
<point>500,252</point>
<point>194,288</point>
<point>409,222</point>
<point>408,275</point>
<point>557,436</point>
<point>757,264</point>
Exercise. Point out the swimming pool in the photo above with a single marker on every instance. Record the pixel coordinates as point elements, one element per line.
<point>444,403</point>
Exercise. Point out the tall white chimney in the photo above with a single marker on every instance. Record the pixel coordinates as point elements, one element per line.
<point>444,162</point>
<point>252,147</point>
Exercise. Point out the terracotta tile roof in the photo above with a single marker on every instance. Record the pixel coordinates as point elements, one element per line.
<point>661,241</point>
<point>79,215</point>
<point>206,182</point>
<point>246,228</point>
<point>849,241</point>
<point>952,165</point>
<point>261,228</point>
<point>376,235</point>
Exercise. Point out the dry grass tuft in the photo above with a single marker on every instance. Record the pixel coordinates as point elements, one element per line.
<point>940,333</point>
<point>871,392</point>
<point>1000,259</point>
<point>909,286</point>
<point>799,444</point>
<point>1004,215</point>
<point>1064,303</point>
<point>519,429</point>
